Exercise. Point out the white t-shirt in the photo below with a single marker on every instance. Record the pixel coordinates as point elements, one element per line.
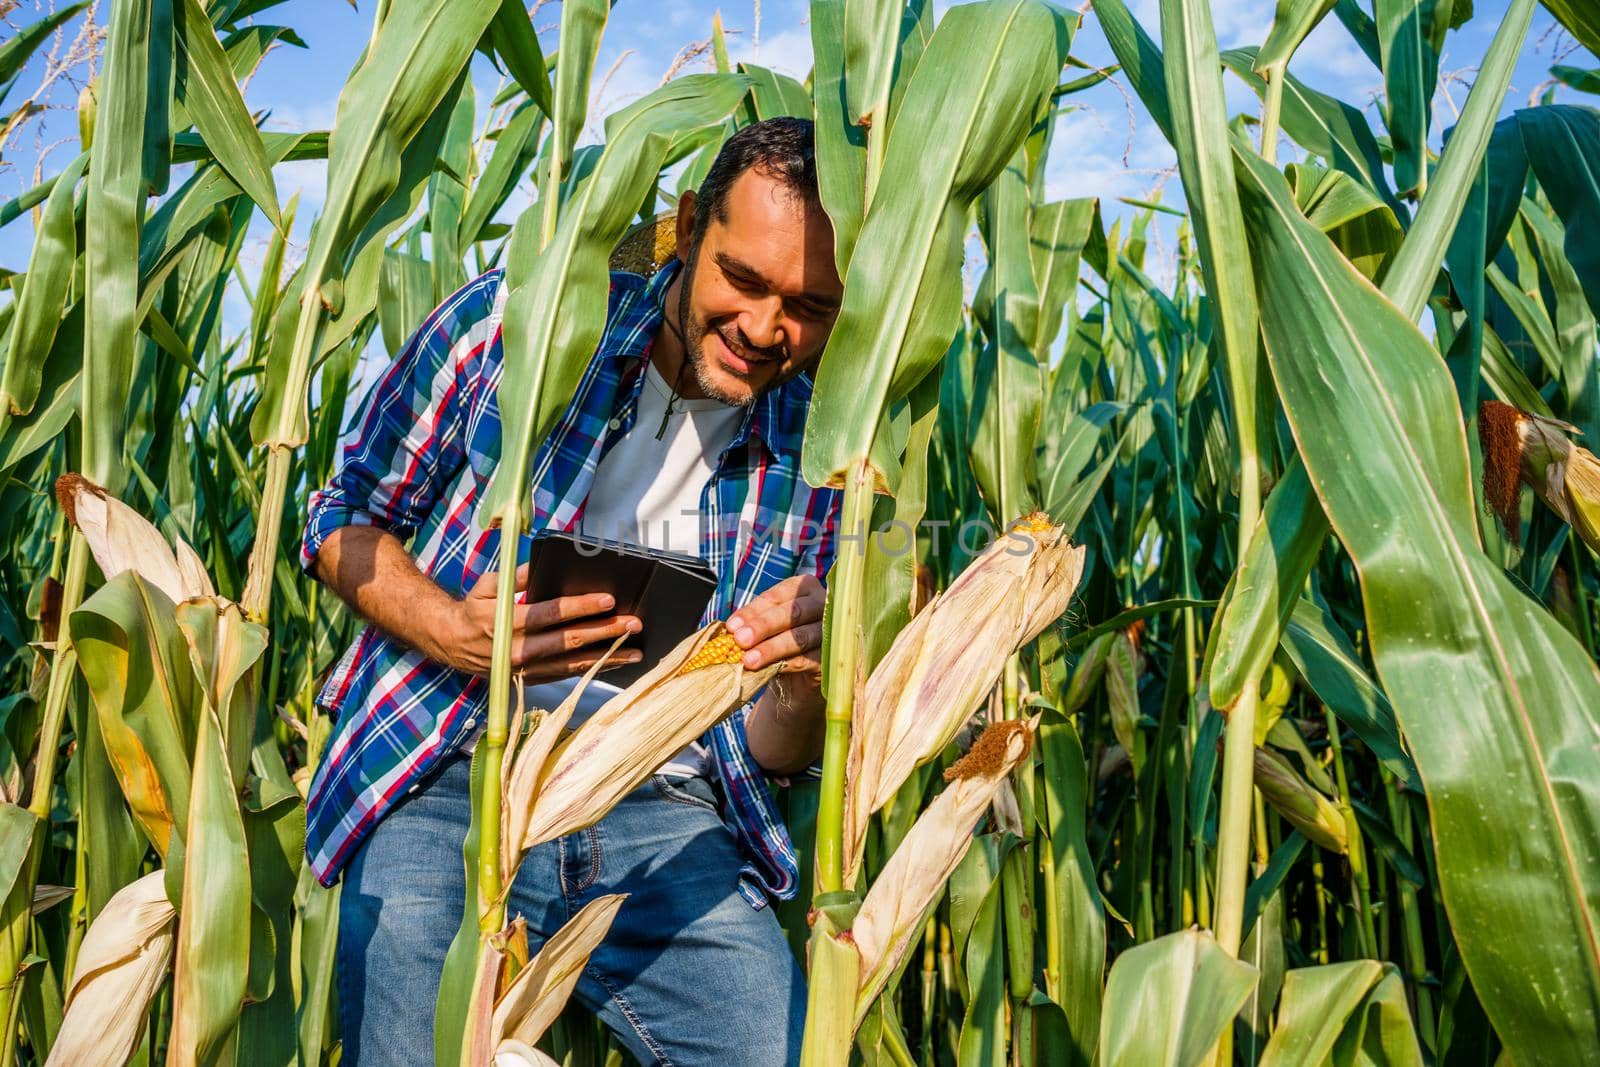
<point>647,492</point>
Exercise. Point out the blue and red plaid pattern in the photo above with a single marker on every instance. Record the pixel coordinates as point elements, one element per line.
<point>427,442</point>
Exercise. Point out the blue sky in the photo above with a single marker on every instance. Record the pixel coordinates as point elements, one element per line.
<point>1105,147</point>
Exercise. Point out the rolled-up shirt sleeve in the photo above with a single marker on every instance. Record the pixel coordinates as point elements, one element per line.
<point>409,439</point>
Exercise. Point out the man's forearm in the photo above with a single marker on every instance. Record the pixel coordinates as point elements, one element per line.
<point>376,576</point>
<point>785,736</point>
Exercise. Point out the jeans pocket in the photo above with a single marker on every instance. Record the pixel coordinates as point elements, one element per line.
<point>695,792</point>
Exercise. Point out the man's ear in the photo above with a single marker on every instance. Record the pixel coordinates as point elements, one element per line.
<point>685,224</point>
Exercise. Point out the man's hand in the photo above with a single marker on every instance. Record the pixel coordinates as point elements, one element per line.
<point>372,572</point>
<point>551,639</point>
<point>784,624</point>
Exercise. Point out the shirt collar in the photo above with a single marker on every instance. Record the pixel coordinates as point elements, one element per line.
<point>777,417</point>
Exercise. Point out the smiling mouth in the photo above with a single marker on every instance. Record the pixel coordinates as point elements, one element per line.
<point>739,360</point>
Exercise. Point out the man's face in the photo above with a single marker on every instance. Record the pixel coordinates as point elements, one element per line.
<point>761,293</point>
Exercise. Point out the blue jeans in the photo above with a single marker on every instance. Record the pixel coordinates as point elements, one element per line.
<point>690,973</point>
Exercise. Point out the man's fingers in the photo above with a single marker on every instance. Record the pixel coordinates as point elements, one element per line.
<point>522,577</point>
<point>559,643</point>
<point>547,614</point>
<point>797,643</point>
<point>787,605</point>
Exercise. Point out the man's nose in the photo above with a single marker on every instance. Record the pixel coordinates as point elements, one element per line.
<point>762,325</point>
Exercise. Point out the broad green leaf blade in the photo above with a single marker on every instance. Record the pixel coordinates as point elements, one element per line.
<point>841,145</point>
<point>514,150</point>
<point>1291,24</point>
<point>1321,124</point>
<point>518,46</point>
<point>556,308</point>
<point>39,306</point>
<point>113,209</point>
<point>1324,657</point>
<point>986,74</point>
<point>209,92</point>
<point>143,691</point>
<point>1410,72</point>
<point>16,52</point>
<point>1509,772</point>
<point>1411,275</point>
<point>1074,920</point>
<point>871,52</point>
<point>1059,233</point>
<point>414,63</point>
<point>773,94</point>
<point>1563,146</point>
<point>1581,19</point>
<point>1168,1000</point>
<point>1007,388</point>
<point>582,24</point>
<point>405,296</point>
<point>212,959</point>
<point>1322,1004</point>
<point>1205,162</point>
<point>1266,587</point>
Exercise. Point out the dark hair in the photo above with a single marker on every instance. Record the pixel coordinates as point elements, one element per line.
<point>781,148</point>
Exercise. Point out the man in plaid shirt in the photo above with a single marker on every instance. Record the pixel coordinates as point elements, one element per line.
<point>685,435</point>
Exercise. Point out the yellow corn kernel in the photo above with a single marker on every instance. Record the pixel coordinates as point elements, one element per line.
<point>720,649</point>
<point>1036,522</point>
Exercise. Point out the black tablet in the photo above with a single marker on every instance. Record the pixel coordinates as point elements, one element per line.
<point>668,591</point>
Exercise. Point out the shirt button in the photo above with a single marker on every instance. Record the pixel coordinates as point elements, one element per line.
<point>615,424</point>
<point>470,723</point>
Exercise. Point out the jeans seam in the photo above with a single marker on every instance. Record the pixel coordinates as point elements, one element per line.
<point>592,875</point>
<point>634,1021</point>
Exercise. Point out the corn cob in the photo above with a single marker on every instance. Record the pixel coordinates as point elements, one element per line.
<point>720,649</point>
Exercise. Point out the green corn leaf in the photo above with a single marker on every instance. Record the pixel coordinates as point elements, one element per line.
<point>871,52</point>
<point>1446,629</point>
<point>1359,1005</point>
<point>1007,387</point>
<point>1321,124</point>
<point>987,73</point>
<point>1200,136</point>
<point>841,145</point>
<point>16,52</point>
<point>582,23</point>
<point>391,99</point>
<point>113,208</point>
<point>555,310</point>
<point>405,296</point>
<point>44,294</point>
<point>773,94</point>
<point>1585,81</point>
<point>1415,266</point>
<point>1580,18</point>
<point>518,46</point>
<point>1292,23</point>
<point>1266,588</point>
<point>514,150</point>
<point>1168,1001</point>
<point>1563,147</point>
<point>1059,233</point>
<point>1324,657</point>
<point>1074,920</point>
<point>1410,72</point>
<point>447,195</point>
<point>207,88</point>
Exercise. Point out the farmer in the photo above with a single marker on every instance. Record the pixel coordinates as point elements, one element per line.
<point>684,435</point>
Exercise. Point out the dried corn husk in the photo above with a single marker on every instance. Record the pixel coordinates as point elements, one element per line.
<point>123,961</point>
<point>527,1007</point>
<point>946,660</point>
<point>1298,801</point>
<point>1539,452</point>
<point>123,540</point>
<point>896,907</point>
<point>626,741</point>
<point>521,1054</point>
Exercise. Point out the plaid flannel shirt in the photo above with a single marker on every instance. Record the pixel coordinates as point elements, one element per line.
<point>427,442</point>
